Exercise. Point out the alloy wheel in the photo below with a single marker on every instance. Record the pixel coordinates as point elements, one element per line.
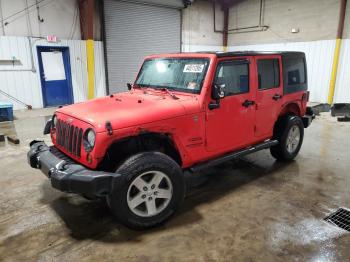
<point>149,193</point>
<point>293,139</point>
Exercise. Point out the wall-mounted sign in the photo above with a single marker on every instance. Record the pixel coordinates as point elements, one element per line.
<point>51,38</point>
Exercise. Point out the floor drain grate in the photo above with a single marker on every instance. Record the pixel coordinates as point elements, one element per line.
<point>340,218</point>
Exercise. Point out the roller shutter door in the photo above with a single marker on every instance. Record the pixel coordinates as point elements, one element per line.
<point>134,30</point>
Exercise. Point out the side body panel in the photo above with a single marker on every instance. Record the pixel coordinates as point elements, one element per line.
<point>231,126</point>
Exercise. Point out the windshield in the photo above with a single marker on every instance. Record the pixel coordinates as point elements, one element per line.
<point>182,74</point>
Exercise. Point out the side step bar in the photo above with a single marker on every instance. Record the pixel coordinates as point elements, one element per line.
<point>233,155</point>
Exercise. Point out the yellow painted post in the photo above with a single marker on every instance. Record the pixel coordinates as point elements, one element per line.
<point>337,51</point>
<point>90,68</point>
<point>334,71</point>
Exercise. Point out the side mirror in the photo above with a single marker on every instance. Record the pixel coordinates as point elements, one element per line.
<point>129,86</point>
<point>47,128</point>
<point>218,91</point>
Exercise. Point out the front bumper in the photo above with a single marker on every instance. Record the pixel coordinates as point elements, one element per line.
<point>68,176</point>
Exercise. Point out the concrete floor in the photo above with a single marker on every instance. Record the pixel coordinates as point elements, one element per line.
<point>253,209</point>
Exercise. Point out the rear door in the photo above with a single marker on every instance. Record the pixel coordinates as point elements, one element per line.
<point>268,94</point>
<point>231,126</point>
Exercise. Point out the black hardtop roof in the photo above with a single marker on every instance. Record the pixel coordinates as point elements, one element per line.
<point>253,53</point>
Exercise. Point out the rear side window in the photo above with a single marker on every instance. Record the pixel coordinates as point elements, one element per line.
<point>294,74</point>
<point>235,76</point>
<point>268,73</point>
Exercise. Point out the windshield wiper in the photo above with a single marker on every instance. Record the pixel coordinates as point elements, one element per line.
<point>169,93</point>
<point>162,88</point>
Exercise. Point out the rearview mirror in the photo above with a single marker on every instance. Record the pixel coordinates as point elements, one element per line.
<point>129,86</point>
<point>218,91</point>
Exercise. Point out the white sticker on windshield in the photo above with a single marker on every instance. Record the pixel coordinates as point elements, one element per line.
<point>193,68</point>
<point>191,85</point>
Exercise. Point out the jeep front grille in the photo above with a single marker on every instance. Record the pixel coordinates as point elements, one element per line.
<point>69,137</point>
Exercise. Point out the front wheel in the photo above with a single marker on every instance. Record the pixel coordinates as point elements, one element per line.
<point>153,188</point>
<point>289,132</point>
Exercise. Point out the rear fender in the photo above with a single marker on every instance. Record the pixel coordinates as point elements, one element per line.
<point>291,108</point>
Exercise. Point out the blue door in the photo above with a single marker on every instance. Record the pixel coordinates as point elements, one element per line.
<point>55,75</point>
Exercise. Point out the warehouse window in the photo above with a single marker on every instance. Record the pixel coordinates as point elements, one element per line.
<point>268,73</point>
<point>234,74</point>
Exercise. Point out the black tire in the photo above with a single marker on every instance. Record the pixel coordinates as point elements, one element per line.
<point>282,129</point>
<point>131,169</point>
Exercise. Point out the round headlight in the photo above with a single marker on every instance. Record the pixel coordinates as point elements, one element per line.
<point>54,121</point>
<point>90,138</point>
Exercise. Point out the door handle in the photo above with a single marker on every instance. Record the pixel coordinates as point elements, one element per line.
<point>276,97</point>
<point>248,103</point>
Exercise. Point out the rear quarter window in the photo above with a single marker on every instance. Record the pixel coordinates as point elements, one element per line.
<point>294,71</point>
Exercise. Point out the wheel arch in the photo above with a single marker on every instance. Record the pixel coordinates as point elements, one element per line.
<point>289,110</point>
<point>123,148</point>
<point>292,108</point>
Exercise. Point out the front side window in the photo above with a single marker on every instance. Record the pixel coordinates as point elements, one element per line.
<point>234,75</point>
<point>182,74</point>
<point>268,73</point>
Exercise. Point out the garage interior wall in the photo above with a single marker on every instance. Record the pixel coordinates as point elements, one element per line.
<point>135,30</point>
<point>316,21</point>
<point>21,18</point>
<point>342,89</point>
<point>23,81</point>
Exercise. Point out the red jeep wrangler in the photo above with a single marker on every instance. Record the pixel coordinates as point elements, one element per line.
<point>184,112</point>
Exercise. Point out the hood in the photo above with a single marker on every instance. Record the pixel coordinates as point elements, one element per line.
<point>131,108</point>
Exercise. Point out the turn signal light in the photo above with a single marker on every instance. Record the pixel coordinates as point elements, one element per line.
<point>89,158</point>
<point>305,96</point>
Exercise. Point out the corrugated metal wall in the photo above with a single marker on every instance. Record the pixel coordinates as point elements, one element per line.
<point>342,88</point>
<point>134,31</point>
<point>319,57</point>
<point>24,84</point>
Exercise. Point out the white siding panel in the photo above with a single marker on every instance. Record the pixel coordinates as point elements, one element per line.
<point>24,84</point>
<point>319,59</point>
<point>17,48</point>
<point>100,76</point>
<point>342,88</point>
<point>18,81</point>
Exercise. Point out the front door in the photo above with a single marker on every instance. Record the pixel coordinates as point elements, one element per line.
<point>269,94</point>
<point>55,75</point>
<point>231,126</point>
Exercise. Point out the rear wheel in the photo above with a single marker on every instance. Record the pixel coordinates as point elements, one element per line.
<point>152,190</point>
<point>289,132</point>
